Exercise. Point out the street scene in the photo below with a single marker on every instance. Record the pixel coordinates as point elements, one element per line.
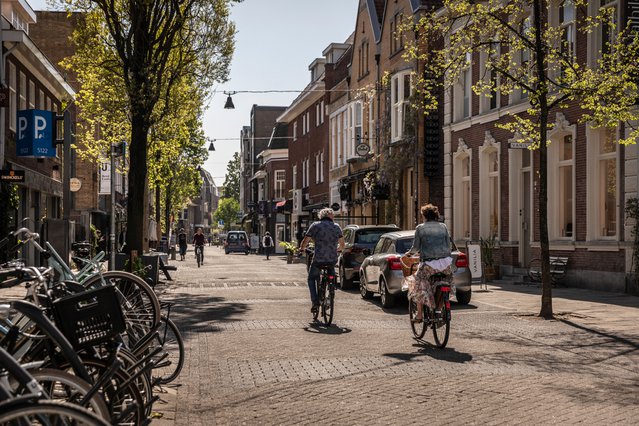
<point>457,180</point>
<point>254,355</point>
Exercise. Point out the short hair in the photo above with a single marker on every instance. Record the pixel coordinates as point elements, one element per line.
<point>326,212</point>
<point>430,211</point>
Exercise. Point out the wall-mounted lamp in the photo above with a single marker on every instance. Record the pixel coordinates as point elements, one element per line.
<point>229,100</point>
<point>211,147</point>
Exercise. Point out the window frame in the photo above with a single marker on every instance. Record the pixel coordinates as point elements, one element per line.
<point>399,103</point>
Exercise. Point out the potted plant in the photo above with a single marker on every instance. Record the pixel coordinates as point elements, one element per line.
<point>290,249</point>
<point>488,246</point>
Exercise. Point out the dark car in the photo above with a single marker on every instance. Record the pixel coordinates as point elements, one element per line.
<point>381,272</point>
<point>359,242</point>
<point>236,241</point>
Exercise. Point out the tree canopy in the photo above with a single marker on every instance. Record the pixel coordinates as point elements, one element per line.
<point>145,67</point>
<point>232,179</point>
<point>227,211</point>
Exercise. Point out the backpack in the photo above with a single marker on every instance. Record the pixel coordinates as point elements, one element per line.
<point>268,241</point>
<point>182,238</point>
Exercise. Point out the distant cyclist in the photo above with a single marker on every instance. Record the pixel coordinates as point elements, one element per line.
<point>326,236</point>
<point>198,241</point>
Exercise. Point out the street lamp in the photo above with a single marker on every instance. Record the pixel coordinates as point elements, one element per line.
<point>211,146</point>
<point>229,101</point>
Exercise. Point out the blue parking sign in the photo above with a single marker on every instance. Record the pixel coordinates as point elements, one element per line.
<point>35,133</point>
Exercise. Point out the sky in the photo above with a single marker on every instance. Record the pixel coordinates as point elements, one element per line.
<point>275,43</point>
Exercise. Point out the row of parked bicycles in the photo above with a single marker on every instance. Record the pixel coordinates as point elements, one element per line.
<point>84,346</point>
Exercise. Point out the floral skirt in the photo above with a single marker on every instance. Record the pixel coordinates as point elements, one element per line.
<point>420,288</point>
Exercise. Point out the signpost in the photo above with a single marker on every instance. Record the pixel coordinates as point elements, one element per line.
<point>362,149</point>
<point>518,145</point>
<point>474,262</point>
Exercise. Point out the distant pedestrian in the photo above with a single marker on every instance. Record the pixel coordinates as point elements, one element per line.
<point>209,239</point>
<point>183,243</point>
<point>267,242</point>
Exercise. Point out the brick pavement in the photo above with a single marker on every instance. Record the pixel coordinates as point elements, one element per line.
<point>254,358</point>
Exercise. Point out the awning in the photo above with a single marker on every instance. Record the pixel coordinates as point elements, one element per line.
<point>280,203</point>
<point>314,207</point>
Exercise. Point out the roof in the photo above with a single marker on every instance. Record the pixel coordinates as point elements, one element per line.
<point>401,234</point>
<point>279,137</point>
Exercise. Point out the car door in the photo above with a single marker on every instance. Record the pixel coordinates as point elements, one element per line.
<point>374,262</point>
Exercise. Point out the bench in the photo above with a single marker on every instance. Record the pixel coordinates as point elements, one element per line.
<point>166,268</point>
<point>558,269</point>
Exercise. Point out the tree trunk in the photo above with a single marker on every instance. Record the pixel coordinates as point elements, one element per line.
<point>137,205</point>
<point>542,99</point>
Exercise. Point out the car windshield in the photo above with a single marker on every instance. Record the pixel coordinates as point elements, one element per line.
<point>403,245</point>
<point>369,236</point>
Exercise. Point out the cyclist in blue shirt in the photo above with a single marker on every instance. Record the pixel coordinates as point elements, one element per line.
<point>326,236</point>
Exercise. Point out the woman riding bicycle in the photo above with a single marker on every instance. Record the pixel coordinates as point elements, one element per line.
<point>433,244</point>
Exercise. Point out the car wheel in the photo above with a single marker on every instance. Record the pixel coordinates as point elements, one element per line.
<point>344,284</point>
<point>463,297</point>
<point>362,288</point>
<point>388,300</point>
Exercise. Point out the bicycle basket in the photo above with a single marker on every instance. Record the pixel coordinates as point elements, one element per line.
<point>89,318</point>
<point>409,264</point>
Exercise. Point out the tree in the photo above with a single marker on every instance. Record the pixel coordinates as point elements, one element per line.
<point>232,179</point>
<point>227,211</point>
<point>528,53</point>
<point>150,46</point>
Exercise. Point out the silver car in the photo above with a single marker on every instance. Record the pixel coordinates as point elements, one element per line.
<point>381,272</point>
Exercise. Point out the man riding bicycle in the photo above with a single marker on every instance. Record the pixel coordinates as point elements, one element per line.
<point>198,241</point>
<point>326,235</point>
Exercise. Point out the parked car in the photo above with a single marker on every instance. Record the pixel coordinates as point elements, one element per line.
<point>236,242</point>
<point>381,272</point>
<point>359,242</point>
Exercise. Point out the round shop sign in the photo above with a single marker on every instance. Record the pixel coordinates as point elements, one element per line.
<point>335,206</point>
<point>75,184</point>
<point>362,149</point>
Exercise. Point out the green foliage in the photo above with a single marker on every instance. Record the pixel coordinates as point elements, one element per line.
<point>137,268</point>
<point>488,246</point>
<point>289,248</point>
<point>632,212</point>
<point>227,210</point>
<point>232,181</point>
<point>145,68</point>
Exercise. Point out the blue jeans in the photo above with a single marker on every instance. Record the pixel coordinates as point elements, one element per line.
<point>313,277</point>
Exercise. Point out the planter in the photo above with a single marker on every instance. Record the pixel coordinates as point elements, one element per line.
<point>490,272</point>
<point>289,258</point>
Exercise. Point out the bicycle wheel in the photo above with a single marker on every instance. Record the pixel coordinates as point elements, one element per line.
<point>168,368</point>
<point>441,327</point>
<point>328,304</point>
<point>419,328</point>
<point>63,386</point>
<point>140,305</point>
<point>47,412</point>
<point>142,378</point>
<point>126,403</point>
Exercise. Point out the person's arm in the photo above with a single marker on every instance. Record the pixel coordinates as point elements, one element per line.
<point>304,242</point>
<point>340,243</point>
<point>415,248</point>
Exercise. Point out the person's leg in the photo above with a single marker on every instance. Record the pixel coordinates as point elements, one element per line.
<point>313,276</point>
<point>202,257</point>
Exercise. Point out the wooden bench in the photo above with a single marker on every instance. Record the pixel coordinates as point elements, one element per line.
<point>558,269</point>
<point>166,268</point>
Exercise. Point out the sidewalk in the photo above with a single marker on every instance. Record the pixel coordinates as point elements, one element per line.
<point>613,312</point>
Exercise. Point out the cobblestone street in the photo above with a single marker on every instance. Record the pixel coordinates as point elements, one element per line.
<point>253,357</point>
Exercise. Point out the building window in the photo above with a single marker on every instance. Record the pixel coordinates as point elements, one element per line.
<point>489,193</point>
<point>490,100</point>
<point>322,167</point>
<point>295,130</point>
<point>363,59</point>
<point>280,182</point>
<point>462,92</point>
<point>567,23</point>
<point>401,90</point>
<point>396,34</point>
<point>32,94</point>
<point>561,196</point>
<point>322,112</point>
<point>13,106</point>
<point>23,92</point>
<point>462,201</point>
<point>602,183</point>
<point>41,104</point>
<point>317,168</point>
<point>295,176</point>
<point>333,124</point>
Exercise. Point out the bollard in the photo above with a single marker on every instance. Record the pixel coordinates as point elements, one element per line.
<point>172,250</point>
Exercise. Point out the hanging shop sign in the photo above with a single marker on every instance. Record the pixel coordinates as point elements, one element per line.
<point>35,130</point>
<point>75,184</point>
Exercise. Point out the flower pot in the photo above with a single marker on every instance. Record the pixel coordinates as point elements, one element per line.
<point>289,258</point>
<point>490,272</point>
